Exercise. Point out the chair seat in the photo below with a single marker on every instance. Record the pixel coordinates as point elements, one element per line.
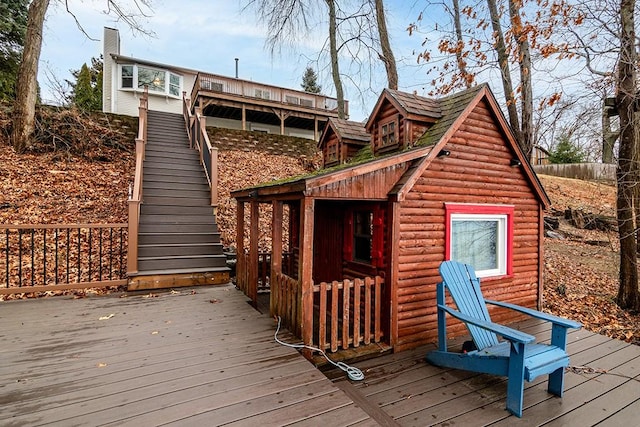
<point>539,359</point>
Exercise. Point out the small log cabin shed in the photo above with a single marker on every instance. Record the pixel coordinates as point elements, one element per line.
<point>440,179</point>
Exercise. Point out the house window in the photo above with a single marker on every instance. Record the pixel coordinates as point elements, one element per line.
<point>388,134</point>
<point>362,236</point>
<point>262,93</point>
<point>481,235</point>
<point>332,152</point>
<point>158,81</point>
<point>155,79</point>
<point>127,76</point>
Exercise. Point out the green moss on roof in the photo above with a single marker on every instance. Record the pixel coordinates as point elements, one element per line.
<point>451,107</point>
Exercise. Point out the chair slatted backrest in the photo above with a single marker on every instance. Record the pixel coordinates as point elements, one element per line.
<point>464,288</point>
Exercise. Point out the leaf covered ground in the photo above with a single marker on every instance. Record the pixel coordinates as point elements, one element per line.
<point>88,181</point>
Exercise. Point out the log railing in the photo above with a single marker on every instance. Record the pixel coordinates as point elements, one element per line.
<point>135,192</point>
<point>199,139</point>
<point>38,258</point>
<point>347,313</point>
<point>264,270</point>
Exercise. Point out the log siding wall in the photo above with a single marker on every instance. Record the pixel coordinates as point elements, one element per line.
<point>477,171</point>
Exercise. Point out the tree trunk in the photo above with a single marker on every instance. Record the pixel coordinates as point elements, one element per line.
<point>503,61</point>
<point>608,137</point>
<point>24,109</point>
<point>522,40</point>
<point>628,292</point>
<point>333,50</point>
<point>387,54</point>
<point>462,65</point>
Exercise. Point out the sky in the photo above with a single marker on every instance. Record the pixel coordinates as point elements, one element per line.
<point>207,35</point>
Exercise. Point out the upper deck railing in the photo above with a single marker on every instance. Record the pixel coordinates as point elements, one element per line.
<point>288,98</point>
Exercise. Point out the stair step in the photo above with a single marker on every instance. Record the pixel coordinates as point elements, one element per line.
<point>191,169</point>
<point>179,249</point>
<point>182,200</point>
<point>150,194</point>
<point>182,262</point>
<point>150,185</point>
<point>179,168</point>
<point>177,210</point>
<point>176,271</point>
<point>178,229</point>
<point>159,238</point>
<point>168,181</point>
<point>177,219</point>
<point>176,153</point>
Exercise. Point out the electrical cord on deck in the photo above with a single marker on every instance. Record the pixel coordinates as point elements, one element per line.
<point>353,373</point>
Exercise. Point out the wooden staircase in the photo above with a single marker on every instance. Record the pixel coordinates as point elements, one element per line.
<point>178,238</point>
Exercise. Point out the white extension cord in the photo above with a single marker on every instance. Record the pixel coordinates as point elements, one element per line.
<point>353,373</point>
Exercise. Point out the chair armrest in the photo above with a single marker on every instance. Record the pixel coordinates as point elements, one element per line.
<point>538,314</point>
<point>504,331</point>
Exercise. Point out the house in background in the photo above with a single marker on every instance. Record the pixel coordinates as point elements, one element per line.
<point>226,101</point>
<point>439,179</point>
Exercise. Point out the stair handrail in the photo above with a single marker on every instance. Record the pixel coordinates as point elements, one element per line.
<point>199,140</point>
<point>135,191</point>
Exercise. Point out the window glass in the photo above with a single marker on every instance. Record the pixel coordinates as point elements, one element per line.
<point>362,235</point>
<point>133,76</point>
<point>475,242</point>
<point>155,79</point>
<point>480,240</point>
<point>127,76</point>
<point>388,134</point>
<point>174,85</point>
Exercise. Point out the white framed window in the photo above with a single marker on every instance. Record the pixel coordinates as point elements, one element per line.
<point>481,235</point>
<point>159,81</point>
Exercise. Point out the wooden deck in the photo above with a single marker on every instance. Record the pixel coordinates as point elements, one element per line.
<point>602,387</point>
<point>182,358</point>
<point>205,357</point>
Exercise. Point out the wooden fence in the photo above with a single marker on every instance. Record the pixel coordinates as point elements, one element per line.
<point>37,258</point>
<point>346,314</point>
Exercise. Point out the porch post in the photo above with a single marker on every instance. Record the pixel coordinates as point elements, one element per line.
<point>316,137</point>
<point>276,249</point>
<point>244,117</point>
<point>391,281</point>
<point>253,254</point>
<point>240,267</point>
<point>306,270</point>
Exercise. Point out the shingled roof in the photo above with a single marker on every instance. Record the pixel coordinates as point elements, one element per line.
<point>347,129</point>
<point>450,109</point>
<point>412,106</point>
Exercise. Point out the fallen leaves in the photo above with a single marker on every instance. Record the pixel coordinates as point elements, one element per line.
<point>581,280</point>
<point>106,317</point>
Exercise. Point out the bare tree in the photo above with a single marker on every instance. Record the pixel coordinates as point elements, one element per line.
<point>386,55</point>
<point>333,49</point>
<point>27,87</point>
<point>628,292</point>
<point>24,110</point>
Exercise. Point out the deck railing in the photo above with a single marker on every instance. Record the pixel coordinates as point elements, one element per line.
<point>199,139</point>
<point>135,192</point>
<point>264,270</point>
<point>262,92</point>
<point>37,258</point>
<point>346,313</point>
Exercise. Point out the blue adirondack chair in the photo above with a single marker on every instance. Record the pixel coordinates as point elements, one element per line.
<point>519,357</point>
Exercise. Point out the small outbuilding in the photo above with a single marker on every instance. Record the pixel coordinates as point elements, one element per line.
<point>356,246</point>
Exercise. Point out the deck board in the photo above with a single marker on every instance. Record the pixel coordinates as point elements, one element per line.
<point>206,357</point>
<point>198,357</point>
